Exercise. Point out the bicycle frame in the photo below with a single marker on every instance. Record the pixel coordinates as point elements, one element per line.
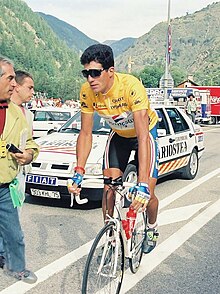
<point>105,264</point>
<point>117,217</point>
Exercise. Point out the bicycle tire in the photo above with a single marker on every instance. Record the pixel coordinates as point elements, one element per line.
<point>99,274</point>
<point>136,242</point>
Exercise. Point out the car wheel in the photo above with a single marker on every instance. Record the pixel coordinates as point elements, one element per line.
<point>190,171</point>
<point>130,174</point>
<point>213,120</point>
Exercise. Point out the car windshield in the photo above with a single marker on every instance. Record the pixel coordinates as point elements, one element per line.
<point>73,125</point>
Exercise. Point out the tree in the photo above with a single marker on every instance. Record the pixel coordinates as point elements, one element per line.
<point>150,76</point>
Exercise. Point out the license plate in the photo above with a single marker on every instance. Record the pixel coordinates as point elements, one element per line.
<point>44,193</point>
<point>42,180</point>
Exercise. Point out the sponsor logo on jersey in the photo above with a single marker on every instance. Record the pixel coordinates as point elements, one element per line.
<point>116,100</point>
<point>119,117</point>
<point>137,101</point>
<point>84,105</point>
<point>120,105</point>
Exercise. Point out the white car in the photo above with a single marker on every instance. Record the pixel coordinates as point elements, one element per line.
<point>181,144</point>
<point>48,119</point>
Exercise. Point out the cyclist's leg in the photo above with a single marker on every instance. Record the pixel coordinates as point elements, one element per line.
<point>115,160</point>
<point>108,194</point>
<point>152,207</point>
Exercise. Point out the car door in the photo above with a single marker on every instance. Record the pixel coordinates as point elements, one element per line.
<point>175,150</point>
<point>165,139</point>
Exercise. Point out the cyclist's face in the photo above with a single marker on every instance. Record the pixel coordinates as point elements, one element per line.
<point>104,81</point>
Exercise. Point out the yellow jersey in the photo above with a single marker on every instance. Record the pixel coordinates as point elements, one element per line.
<point>126,96</point>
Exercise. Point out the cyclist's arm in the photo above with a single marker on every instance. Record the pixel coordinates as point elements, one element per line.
<point>141,122</point>
<point>84,141</point>
<point>83,148</point>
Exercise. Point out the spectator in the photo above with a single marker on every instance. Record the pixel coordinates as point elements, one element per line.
<point>191,107</point>
<point>13,127</point>
<point>22,94</point>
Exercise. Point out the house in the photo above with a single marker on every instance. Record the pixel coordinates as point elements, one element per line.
<point>187,83</point>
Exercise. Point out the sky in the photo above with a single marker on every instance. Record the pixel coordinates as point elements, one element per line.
<point>103,20</point>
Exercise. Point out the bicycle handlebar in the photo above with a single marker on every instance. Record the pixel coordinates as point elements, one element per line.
<point>109,181</point>
<point>101,181</point>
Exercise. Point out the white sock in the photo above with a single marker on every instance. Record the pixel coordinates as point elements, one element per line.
<point>152,226</point>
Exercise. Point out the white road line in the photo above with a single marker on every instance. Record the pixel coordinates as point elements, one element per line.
<point>179,214</point>
<point>61,263</point>
<point>165,202</point>
<point>50,270</point>
<point>165,249</point>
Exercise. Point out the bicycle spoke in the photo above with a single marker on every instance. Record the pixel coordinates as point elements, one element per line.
<point>105,264</point>
<point>136,243</point>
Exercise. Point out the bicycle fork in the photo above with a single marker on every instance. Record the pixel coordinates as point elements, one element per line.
<point>111,240</point>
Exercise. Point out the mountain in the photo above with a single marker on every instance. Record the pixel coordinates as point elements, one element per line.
<point>27,39</point>
<point>120,46</point>
<point>195,46</point>
<point>78,40</point>
<point>68,33</point>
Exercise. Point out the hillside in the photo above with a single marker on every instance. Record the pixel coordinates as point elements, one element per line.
<point>68,33</point>
<point>195,46</point>
<point>28,40</point>
<point>120,46</point>
<point>78,40</point>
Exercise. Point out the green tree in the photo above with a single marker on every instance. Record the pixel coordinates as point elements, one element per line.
<point>150,76</point>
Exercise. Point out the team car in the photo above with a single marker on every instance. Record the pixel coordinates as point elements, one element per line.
<point>48,119</point>
<point>181,144</point>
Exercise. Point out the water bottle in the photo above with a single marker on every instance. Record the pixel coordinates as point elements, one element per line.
<point>128,224</point>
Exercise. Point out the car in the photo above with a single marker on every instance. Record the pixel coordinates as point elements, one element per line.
<point>49,119</point>
<point>181,144</point>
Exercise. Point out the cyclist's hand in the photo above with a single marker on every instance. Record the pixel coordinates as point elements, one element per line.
<point>141,196</point>
<point>74,183</point>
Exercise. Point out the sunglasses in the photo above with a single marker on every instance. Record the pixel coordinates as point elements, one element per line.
<point>94,73</point>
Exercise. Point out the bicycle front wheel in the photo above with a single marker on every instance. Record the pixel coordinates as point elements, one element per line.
<point>104,268</point>
<point>136,242</point>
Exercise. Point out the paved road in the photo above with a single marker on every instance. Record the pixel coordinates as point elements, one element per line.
<point>186,259</point>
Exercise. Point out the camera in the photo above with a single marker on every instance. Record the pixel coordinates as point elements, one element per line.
<point>12,148</point>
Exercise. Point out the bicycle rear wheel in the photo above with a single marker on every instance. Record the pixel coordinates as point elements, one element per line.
<point>136,242</point>
<point>105,263</point>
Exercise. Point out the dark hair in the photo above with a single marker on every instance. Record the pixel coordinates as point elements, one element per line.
<point>20,75</point>
<point>99,53</point>
<point>191,95</point>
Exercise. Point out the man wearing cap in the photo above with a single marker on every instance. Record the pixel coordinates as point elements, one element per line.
<point>191,107</point>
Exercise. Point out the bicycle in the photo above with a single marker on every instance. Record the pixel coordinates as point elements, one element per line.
<point>105,265</point>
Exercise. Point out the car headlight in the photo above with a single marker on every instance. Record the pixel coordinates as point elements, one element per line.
<point>94,169</point>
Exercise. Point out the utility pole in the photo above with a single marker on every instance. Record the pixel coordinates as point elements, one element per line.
<point>166,80</point>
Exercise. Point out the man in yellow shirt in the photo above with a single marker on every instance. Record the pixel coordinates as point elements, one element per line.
<point>122,101</point>
<point>13,130</point>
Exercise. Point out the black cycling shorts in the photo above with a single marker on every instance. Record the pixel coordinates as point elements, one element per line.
<point>118,151</point>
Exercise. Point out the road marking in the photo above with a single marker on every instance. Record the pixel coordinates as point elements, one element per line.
<point>165,249</point>
<point>68,259</point>
<point>165,202</point>
<point>179,214</point>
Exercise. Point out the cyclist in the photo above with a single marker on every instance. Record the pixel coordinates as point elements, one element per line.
<point>122,101</point>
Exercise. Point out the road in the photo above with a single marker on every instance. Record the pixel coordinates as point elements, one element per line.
<point>186,259</point>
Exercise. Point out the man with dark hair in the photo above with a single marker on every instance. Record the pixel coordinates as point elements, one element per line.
<point>122,101</point>
<point>191,107</point>
<point>13,129</point>
<point>23,92</point>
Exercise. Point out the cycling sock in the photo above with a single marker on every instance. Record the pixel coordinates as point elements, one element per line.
<point>152,226</point>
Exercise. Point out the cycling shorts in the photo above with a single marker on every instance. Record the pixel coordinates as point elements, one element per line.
<point>118,151</point>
